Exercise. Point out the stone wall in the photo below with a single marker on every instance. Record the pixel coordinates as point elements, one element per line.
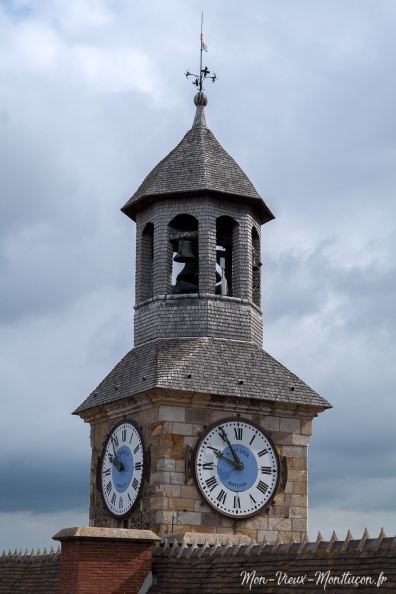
<point>171,423</point>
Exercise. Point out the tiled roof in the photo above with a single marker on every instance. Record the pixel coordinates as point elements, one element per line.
<point>220,569</point>
<point>30,573</point>
<point>206,365</point>
<point>197,164</point>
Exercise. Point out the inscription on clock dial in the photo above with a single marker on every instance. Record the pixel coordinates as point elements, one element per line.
<point>122,468</point>
<point>237,467</point>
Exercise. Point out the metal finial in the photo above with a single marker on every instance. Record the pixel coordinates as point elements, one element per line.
<point>203,72</point>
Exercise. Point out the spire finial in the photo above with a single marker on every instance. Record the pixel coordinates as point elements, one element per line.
<point>203,72</point>
<point>200,98</point>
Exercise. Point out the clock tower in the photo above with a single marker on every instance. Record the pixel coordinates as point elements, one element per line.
<point>197,429</point>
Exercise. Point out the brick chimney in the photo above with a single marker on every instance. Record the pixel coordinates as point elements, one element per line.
<point>103,560</point>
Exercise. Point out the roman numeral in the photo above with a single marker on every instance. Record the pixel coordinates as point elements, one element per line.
<point>113,499</point>
<point>135,483</point>
<point>262,453</point>
<point>266,470</point>
<point>252,440</point>
<point>221,496</point>
<point>207,466</point>
<point>138,466</point>
<point>129,497</point>
<point>137,448</point>
<point>237,502</point>
<point>252,499</point>
<point>211,482</point>
<point>109,487</point>
<point>114,439</point>
<point>107,472</point>
<point>120,503</point>
<point>238,432</point>
<point>123,435</point>
<point>262,487</point>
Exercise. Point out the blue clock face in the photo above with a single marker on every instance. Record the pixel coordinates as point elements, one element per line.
<point>122,469</point>
<point>237,467</point>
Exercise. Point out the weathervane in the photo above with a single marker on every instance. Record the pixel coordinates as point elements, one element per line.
<point>203,72</point>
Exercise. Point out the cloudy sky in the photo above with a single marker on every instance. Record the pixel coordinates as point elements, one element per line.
<point>92,96</point>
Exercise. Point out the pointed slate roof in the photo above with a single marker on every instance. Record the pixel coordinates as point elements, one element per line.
<point>232,368</point>
<point>198,164</point>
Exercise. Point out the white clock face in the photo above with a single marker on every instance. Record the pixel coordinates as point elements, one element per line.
<point>237,467</point>
<point>122,468</point>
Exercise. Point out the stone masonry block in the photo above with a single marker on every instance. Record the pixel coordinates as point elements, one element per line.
<point>270,423</point>
<point>181,504</point>
<point>297,475</point>
<point>177,478</point>
<point>172,413</point>
<point>281,438</point>
<point>172,490</point>
<point>169,465</point>
<point>300,464</point>
<point>298,512</point>
<point>160,478</point>
<point>299,524</point>
<point>295,451</point>
<point>193,518</point>
<point>298,439</point>
<point>279,524</point>
<point>196,415</point>
<point>182,428</point>
<point>306,427</point>
<point>290,425</point>
<point>189,492</point>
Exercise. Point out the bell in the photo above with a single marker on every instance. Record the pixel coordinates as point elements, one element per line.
<point>187,279</point>
<point>184,251</point>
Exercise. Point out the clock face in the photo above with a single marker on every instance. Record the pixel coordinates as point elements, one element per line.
<point>237,467</point>
<point>123,466</point>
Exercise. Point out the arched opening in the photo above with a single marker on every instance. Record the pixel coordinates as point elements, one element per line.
<point>256,265</point>
<point>183,235</point>
<point>225,228</point>
<point>146,272</point>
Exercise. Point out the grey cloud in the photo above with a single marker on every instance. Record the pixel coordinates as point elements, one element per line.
<point>44,485</point>
<point>305,106</point>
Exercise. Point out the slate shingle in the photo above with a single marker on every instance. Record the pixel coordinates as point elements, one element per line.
<point>216,366</point>
<point>30,574</point>
<point>197,164</point>
<point>202,572</point>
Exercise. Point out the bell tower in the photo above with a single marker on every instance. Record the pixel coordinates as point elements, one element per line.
<point>225,427</point>
<point>198,221</point>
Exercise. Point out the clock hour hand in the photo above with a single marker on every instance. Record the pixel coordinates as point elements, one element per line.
<point>233,452</point>
<point>238,465</point>
<point>230,460</point>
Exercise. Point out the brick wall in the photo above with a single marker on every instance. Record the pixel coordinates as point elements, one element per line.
<point>99,560</point>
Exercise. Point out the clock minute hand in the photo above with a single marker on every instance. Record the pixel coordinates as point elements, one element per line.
<point>116,460</point>
<point>233,452</point>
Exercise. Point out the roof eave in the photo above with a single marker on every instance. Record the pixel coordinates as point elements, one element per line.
<point>131,208</point>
